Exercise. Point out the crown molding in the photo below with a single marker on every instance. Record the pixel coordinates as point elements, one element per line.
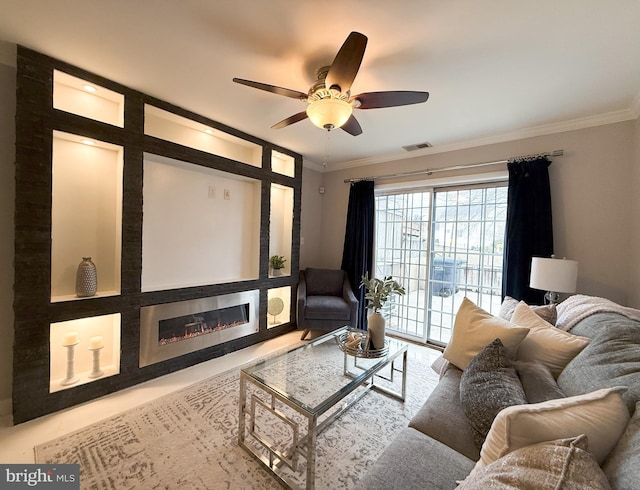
<point>571,125</point>
<point>314,166</point>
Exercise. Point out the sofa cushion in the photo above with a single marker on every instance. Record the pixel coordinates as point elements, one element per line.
<point>611,359</point>
<point>442,417</point>
<point>601,415</point>
<point>544,342</point>
<point>416,461</point>
<point>537,381</point>
<point>563,463</point>
<point>474,328</point>
<point>489,384</point>
<point>621,467</point>
<point>547,312</point>
<point>324,282</point>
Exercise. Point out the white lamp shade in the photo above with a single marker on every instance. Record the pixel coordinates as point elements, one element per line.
<point>557,275</point>
<point>329,113</point>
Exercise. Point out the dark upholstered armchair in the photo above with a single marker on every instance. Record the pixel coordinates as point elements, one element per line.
<point>325,301</point>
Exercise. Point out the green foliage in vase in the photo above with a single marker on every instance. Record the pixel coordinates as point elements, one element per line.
<point>380,290</point>
<point>277,261</point>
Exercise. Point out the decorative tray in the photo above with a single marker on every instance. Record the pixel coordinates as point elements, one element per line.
<point>361,348</point>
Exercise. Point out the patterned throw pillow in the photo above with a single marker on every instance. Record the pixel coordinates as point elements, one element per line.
<point>563,463</point>
<point>489,384</point>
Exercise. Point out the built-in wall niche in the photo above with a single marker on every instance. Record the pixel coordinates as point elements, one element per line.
<point>283,164</point>
<point>200,226</point>
<point>83,350</point>
<point>86,213</point>
<point>77,96</point>
<point>281,226</point>
<point>171,127</point>
<point>278,306</point>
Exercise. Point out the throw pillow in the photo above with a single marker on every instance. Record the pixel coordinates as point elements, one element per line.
<point>489,384</point>
<point>601,415</point>
<point>474,328</point>
<point>546,343</point>
<point>537,381</point>
<point>547,312</point>
<point>563,463</point>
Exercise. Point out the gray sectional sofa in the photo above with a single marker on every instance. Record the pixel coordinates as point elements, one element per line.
<point>437,449</point>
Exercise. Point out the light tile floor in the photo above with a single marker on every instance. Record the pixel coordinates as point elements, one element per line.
<point>17,442</point>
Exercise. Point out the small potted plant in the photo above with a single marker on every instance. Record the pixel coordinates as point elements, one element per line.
<point>276,262</point>
<point>378,292</point>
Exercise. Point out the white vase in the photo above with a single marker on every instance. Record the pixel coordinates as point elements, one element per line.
<point>376,330</point>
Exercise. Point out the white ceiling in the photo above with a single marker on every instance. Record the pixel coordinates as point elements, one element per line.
<point>495,69</point>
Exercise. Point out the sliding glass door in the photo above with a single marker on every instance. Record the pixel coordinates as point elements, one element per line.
<point>442,245</point>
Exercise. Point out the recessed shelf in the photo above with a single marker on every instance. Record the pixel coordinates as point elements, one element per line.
<point>84,333</point>
<point>193,229</point>
<point>178,129</point>
<point>281,225</point>
<point>73,297</point>
<point>86,213</point>
<point>77,96</point>
<point>200,226</point>
<point>283,164</point>
<point>278,306</point>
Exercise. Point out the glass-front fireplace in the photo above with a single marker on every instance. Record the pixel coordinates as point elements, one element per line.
<point>175,329</point>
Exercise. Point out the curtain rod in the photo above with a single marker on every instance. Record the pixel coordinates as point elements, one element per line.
<point>429,171</point>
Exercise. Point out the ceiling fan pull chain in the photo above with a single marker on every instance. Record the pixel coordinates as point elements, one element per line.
<point>326,149</point>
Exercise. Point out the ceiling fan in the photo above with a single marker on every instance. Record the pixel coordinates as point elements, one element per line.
<point>330,101</point>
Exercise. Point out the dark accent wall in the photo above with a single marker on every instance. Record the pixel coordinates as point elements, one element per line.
<point>36,119</point>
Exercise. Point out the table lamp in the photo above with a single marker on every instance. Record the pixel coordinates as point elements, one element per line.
<point>554,276</point>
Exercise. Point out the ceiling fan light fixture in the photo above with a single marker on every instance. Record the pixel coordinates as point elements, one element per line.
<point>329,113</point>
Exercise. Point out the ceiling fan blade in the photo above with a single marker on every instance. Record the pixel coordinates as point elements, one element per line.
<point>294,94</point>
<point>290,120</point>
<point>352,126</point>
<point>377,100</point>
<point>346,64</point>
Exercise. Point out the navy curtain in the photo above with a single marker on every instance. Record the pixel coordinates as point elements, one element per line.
<point>529,230</point>
<point>357,254</point>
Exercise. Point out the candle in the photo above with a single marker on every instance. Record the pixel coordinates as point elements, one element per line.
<point>70,338</point>
<point>95,342</point>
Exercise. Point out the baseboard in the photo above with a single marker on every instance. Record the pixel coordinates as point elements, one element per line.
<point>5,407</point>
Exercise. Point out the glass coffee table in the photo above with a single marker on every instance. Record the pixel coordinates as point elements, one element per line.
<point>288,399</point>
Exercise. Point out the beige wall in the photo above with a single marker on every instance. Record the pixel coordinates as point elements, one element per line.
<point>595,211</point>
<point>7,196</point>
<point>311,218</point>
<point>634,282</point>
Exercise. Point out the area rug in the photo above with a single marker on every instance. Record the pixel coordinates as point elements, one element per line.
<point>188,440</point>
